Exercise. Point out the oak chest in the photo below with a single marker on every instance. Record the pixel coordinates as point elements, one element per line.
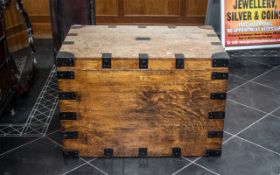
<point>129,91</point>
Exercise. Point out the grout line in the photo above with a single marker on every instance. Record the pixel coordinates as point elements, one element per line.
<point>178,171</point>
<point>237,76</point>
<point>54,142</point>
<point>253,61</point>
<point>265,85</point>
<point>252,79</point>
<point>100,170</point>
<point>247,106</point>
<point>211,171</point>
<point>265,116</point>
<point>274,116</point>
<point>32,141</point>
<point>74,168</point>
<point>258,145</point>
<point>86,162</point>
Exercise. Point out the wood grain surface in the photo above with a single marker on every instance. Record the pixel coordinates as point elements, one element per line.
<point>161,42</point>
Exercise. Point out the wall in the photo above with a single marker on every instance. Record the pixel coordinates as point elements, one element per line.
<point>183,12</point>
<point>39,13</point>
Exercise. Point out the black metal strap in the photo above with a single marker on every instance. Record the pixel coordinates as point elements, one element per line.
<point>70,135</point>
<point>215,134</point>
<point>71,154</point>
<point>220,59</point>
<point>219,75</point>
<point>106,60</point>
<point>216,115</point>
<point>68,116</point>
<point>143,152</point>
<point>65,59</point>
<point>213,153</point>
<point>67,95</point>
<point>143,61</point>
<point>68,75</point>
<point>218,96</point>
<point>108,152</point>
<point>176,152</point>
<point>180,61</point>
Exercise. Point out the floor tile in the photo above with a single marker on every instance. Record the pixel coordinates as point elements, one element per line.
<point>85,170</point>
<point>273,61</point>
<point>134,166</point>
<point>40,157</point>
<point>242,158</point>
<point>247,69</point>
<point>194,170</point>
<point>239,117</point>
<point>235,81</point>
<point>265,133</point>
<point>226,137</point>
<point>276,113</point>
<point>56,137</point>
<point>271,79</point>
<point>8,143</point>
<point>257,96</point>
<point>55,123</point>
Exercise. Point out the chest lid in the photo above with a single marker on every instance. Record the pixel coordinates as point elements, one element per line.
<point>126,43</point>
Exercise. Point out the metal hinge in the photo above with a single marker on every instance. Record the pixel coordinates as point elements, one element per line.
<point>213,153</point>
<point>218,96</point>
<point>219,76</point>
<point>67,95</point>
<point>215,134</point>
<point>65,59</point>
<point>108,152</point>
<point>70,135</point>
<point>67,75</point>
<point>216,115</point>
<point>143,152</point>
<point>176,152</point>
<point>180,61</point>
<point>143,61</point>
<point>71,154</point>
<point>106,60</point>
<point>68,116</point>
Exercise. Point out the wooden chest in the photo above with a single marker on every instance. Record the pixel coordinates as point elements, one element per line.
<point>128,91</point>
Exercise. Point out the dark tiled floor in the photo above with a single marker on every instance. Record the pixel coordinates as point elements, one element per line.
<point>251,139</point>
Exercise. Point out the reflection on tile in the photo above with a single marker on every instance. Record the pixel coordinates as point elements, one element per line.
<point>271,79</point>
<point>146,166</point>
<point>257,96</point>
<point>235,81</point>
<point>194,170</point>
<point>247,69</point>
<point>242,158</point>
<point>272,61</point>
<point>8,143</point>
<point>265,133</point>
<point>239,117</point>
<point>276,113</point>
<point>85,170</point>
<point>40,157</point>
